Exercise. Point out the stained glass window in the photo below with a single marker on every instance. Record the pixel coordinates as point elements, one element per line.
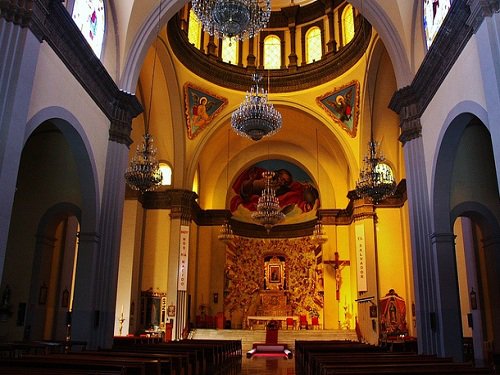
<point>272,52</point>
<point>230,51</point>
<point>385,172</point>
<point>313,45</point>
<point>194,30</point>
<point>90,19</point>
<point>347,24</point>
<point>435,12</point>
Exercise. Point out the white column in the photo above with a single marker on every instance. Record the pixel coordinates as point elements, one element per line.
<point>18,58</point>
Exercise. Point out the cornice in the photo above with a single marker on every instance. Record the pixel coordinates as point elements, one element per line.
<point>50,21</point>
<point>281,80</point>
<point>17,12</point>
<point>410,102</point>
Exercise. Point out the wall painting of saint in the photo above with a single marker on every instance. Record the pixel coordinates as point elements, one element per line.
<point>201,108</point>
<point>342,104</point>
<point>295,190</point>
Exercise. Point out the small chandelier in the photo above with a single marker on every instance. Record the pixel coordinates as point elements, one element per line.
<point>143,173</point>
<point>319,236</point>
<point>375,182</point>
<point>268,211</point>
<point>256,117</point>
<point>226,232</point>
<point>238,19</point>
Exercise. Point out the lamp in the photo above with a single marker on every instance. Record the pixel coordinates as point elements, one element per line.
<point>256,117</point>
<point>238,19</point>
<point>268,211</point>
<point>143,173</point>
<point>319,236</point>
<point>226,232</point>
<point>376,181</point>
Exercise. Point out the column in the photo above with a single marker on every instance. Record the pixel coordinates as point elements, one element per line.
<point>251,56</point>
<point>448,320</point>
<point>182,203</point>
<point>491,246</point>
<point>366,269</point>
<point>18,58</point>
<point>291,14</point>
<point>126,107</point>
<point>331,45</point>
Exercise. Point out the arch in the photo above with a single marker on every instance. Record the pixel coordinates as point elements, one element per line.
<point>53,215</point>
<point>76,137</point>
<point>456,121</point>
<point>374,13</point>
<point>481,214</point>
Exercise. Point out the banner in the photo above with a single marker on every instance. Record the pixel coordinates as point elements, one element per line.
<point>183,258</point>
<point>361,257</point>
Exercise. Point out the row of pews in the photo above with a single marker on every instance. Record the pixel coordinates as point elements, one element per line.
<point>346,357</point>
<point>128,357</point>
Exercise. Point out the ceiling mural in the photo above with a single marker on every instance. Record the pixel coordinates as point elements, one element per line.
<point>295,190</point>
<point>342,104</point>
<point>201,107</point>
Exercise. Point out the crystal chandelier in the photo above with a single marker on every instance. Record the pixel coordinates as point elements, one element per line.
<point>256,117</point>
<point>319,236</point>
<point>238,19</point>
<point>268,211</point>
<point>226,232</point>
<point>375,182</point>
<point>143,173</point>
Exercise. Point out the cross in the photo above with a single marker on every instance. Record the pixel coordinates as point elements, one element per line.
<point>338,265</point>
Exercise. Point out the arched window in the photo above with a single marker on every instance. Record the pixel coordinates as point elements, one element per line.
<point>166,173</point>
<point>434,15</point>
<point>385,172</point>
<point>272,52</point>
<point>194,30</point>
<point>230,51</point>
<point>90,18</point>
<point>347,24</point>
<point>313,45</point>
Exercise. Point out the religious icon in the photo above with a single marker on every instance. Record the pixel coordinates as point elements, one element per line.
<point>171,310</point>
<point>275,274</point>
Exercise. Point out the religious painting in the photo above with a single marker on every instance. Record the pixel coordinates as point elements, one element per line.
<point>342,105</point>
<point>201,107</point>
<point>274,274</point>
<point>297,194</point>
<point>392,314</point>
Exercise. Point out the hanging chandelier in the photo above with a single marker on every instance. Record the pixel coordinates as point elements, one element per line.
<point>319,236</point>
<point>256,117</point>
<point>238,19</point>
<point>143,173</point>
<point>375,181</point>
<point>226,232</point>
<point>268,211</point>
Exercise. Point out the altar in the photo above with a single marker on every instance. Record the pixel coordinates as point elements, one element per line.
<point>251,320</point>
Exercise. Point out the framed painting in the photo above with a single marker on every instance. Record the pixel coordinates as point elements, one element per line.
<point>201,107</point>
<point>275,274</point>
<point>342,105</point>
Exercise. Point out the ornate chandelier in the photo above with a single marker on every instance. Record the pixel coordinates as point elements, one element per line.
<point>256,117</point>
<point>143,173</point>
<point>375,182</point>
<point>226,232</point>
<point>319,236</point>
<point>238,19</point>
<point>268,211</point>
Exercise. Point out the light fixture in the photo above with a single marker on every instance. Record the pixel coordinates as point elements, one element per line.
<point>238,19</point>
<point>319,236</point>
<point>226,232</point>
<point>268,211</point>
<point>376,181</point>
<point>256,117</point>
<point>143,173</point>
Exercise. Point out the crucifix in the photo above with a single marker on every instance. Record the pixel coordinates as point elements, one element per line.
<point>338,266</point>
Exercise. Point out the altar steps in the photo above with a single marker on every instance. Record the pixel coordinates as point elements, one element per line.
<point>249,337</point>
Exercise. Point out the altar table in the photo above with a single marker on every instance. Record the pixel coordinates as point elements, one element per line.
<point>267,318</point>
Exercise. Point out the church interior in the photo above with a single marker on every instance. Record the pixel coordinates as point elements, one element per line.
<point>368,206</point>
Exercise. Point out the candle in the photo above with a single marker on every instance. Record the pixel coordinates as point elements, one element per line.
<point>122,309</point>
